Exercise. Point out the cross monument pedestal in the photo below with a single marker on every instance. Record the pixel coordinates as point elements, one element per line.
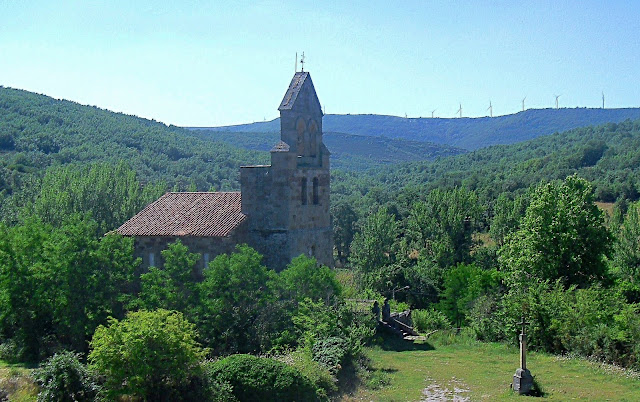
<point>522,379</point>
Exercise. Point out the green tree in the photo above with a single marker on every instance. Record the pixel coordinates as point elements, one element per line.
<point>151,355</point>
<point>507,214</point>
<point>463,284</point>
<point>373,248</point>
<point>27,291</point>
<point>304,278</point>
<point>235,296</point>
<point>440,228</point>
<point>562,236</point>
<point>343,219</point>
<point>174,286</point>
<point>58,284</point>
<point>111,194</point>
<point>627,248</point>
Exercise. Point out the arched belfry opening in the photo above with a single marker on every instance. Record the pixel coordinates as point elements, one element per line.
<point>313,140</point>
<point>301,129</point>
<point>316,200</point>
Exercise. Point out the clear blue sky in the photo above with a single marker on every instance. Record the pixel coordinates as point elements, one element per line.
<point>207,63</point>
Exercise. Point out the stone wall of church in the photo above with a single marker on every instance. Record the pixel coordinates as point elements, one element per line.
<point>257,201</point>
<point>316,243</point>
<point>149,248</point>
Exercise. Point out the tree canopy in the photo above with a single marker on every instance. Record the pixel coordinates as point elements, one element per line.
<point>562,236</point>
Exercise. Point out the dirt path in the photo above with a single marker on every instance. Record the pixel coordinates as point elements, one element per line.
<point>454,390</point>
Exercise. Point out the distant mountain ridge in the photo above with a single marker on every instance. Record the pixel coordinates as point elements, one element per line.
<point>467,133</point>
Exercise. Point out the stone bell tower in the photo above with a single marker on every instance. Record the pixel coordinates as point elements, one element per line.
<point>287,203</point>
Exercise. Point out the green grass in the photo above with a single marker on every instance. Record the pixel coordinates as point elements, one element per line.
<point>15,379</point>
<point>485,371</point>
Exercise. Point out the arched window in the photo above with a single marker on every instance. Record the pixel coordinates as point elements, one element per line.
<point>303,191</point>
<point>301,130</point>
<point>313,132</point>
<point>315,191</point>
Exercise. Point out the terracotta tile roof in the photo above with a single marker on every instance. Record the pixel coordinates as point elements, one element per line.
<point>188,214</point>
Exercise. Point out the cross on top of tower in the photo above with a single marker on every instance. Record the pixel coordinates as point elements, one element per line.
<point>302,62</point>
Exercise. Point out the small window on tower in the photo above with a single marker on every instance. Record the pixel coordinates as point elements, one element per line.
<point>315,191</point>
<point>303,191</point>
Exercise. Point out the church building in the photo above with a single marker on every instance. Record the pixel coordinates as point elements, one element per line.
<point>282,210</point>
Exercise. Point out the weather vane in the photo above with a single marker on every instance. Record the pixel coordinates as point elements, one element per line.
<point>302,62</point>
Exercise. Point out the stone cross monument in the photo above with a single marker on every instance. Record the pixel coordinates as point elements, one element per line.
<point>522,379</point>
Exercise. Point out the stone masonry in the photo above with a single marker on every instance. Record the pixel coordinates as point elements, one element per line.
<point>282,210</point>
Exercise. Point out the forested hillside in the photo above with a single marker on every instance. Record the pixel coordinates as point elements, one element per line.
<point>467,133</point>
<point>37,131</point>
<point>348,152</point>
<point>607,155</point>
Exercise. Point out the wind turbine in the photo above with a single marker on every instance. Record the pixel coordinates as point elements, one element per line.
<point>557,96</point>
<point>432,112</point>
<point>603,99</point>
<point>460,110</point>
<point>523,99</point>
<point>490,109</point>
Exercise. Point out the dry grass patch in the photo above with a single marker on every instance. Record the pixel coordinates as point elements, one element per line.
<point>16,383</point>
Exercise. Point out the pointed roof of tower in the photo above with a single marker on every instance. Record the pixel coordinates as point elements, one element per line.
<point>300,80</point>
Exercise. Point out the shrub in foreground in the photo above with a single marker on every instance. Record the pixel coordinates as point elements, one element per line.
<point>64,378</point>
<point>262,379</point>
<point>330,353</point>
<point>151,355</point>
<point>322,379</point>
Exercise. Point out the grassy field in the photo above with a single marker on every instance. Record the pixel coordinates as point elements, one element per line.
<point>476,371</point>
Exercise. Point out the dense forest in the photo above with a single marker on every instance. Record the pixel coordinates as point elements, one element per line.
<point>37,132</point>
<point>608,156</point>
<point>466,133</point>
<point>474,241</point>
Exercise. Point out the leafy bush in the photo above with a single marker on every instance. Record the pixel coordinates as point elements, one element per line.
<point>462,285</point>
<point>485,318</point>
<point>357,328</point>
<point>262,379</point>
<point>330,353</point>
<point>238,311</point>
<point>149,354</point>
<point>64,378</point>
<point>215,389</point>
<point>10,351</point>
<point>319,375</point>
<point>430,320</point>
<point>304,278</point>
